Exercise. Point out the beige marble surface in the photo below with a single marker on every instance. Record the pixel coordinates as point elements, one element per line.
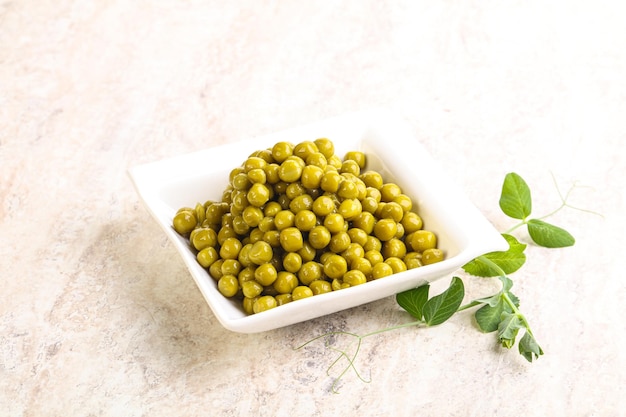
<point>99,317</point>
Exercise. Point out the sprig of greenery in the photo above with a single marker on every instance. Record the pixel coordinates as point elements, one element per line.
<point>498,312</point>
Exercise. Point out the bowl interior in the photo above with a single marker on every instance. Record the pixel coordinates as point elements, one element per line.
<point>463,233</point>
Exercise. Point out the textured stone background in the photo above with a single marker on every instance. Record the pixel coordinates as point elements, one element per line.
<point>98,315</point>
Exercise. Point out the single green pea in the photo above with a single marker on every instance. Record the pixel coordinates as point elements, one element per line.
<point>335,266</point>
<point>319,237</point>
<point>252,215</point>
<point>215,270</point>
<point>292,262</point>
<point>374,256</point>
<point>282,151</point>
<point>290,170</point>
<point>300,292</point>
<point>413,260</point>
<point>240,226</point>
<point>389,191</point>
<point>320,287</point>
<point>325,146</point>
<point>301,202</point>
<point>248,304</point>
<point>228,285</point>
<point>264,303</point>
<point>354,277</point>
<point>318,159</point>
<point>230,248</point>
<point>246,274</point>
<point>392,211</point>
<point>272,237</point>
<point>203,237</point>
<point>330,181</point>
<point>381,270</point>
<point>185,221</point>
<point>422,240</point>
<point>431,256</point>
<point>207,256</point>
<point>257,176</point>
<point>394,248</point>
<point>350,166</point>
<point>350,208</point>
<point>271,209</point>
<point>396,264</point>
<point>311,176</point>
<point>254,162</point>
<point>258,194</point>
<point>385,229</point>
<point>352,252</point>
<point>307,252</point>
<point>285,282</point>
<point>305,220</point>
<point>363,265</point>
<point>295,189</point>
<point>260,252</point>
<point>305,148</point>
<point>282,299</point>
<point>335,223</point>
<point>411,222</point>
<point>284,219</point>
<point>265,274</point>
<point>251,289</point>
<point>241,182</point>
<point>231,267</point>
<point>323,205</point>
<point>372,179</point>
<point>339,242</point>
<point>357,156</point>
<point>347,189</point>
<point>310,272</point>
<point>291,239</point>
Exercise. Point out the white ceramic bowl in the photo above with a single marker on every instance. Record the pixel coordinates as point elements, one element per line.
<point>463,233</point>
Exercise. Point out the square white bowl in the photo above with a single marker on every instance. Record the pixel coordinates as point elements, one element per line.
<point>463,233</point>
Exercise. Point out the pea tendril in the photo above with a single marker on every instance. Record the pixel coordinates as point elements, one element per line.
<point>498,313</point>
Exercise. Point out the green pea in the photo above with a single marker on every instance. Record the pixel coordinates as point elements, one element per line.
<point>292,262</point>
<point>282,151</point>
<point>265,274</point>
<point>305,220</point>
<point>305,148</point>
<point>260,252</point>
<point>311,176</point>
<point>339,242</point>
<point>323,205</point>
<point>203,237</point>
<point>385,229</point>
<point>290,170</point>
<point>335,223</point>
<point>291,239</point>
<point>251,289</point>
<point>320,287</point>
<point>335,266</point>
<point>185,221</point>
<point>350,208</point>
<point>394,248</point>
<point>354,277</point>
<point>230,248</point>
<point>319,237</point>
<point>310,272</point>
<point>258,194</point>
<point>264,303</point>
<point>422,240</point>
<point>381,270</point>
<point>300,292</point>
<point>207,256</point>
<point>228,285</point>
<point>325,146</point>
<point>431,256</point>
<point>285,282</point>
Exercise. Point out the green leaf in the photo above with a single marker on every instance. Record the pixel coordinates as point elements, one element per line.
<point>413,300</point>
<point>489,316</point>
<point>509,261</point>
<point>508,328</point>
<point>515,200</point>
<point>441,307</point>
<point>529,348</point>
<point>549,236</point>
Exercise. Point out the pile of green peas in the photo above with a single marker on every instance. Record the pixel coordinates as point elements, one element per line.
<point>296,220</point>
